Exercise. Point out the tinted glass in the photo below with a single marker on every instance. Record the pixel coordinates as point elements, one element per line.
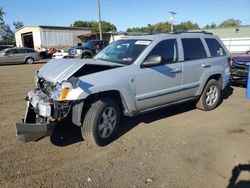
<point>193,49</point>
<point>90,44</point>
<point>215,48</point>
<point>167,49</point>
<point>30,51</point>
<point>11,51</point>
<point>21,51</point>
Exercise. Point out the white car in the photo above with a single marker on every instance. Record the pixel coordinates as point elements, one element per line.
<point>60,54</point>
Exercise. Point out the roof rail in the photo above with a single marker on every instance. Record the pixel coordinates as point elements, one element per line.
<point>186,31</point>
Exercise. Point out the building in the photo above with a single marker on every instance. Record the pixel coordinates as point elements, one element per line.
<point>39,37</point>
<point>236,39</point>
<point>108,36</point>
<point>95,36</point>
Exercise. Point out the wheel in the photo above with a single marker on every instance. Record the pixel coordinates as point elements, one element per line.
<point>29,60</point>
<point>210,96</point>
<point>101,122</point>
<point>86,56</point>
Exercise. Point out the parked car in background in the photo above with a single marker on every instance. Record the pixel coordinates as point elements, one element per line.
<point>19,55</point>
<point>47,53</point>
<point>239,69</point>
<point>88,50</point>
<point>60,54</point>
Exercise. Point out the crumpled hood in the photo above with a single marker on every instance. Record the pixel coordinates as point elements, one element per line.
<point>57,70</point>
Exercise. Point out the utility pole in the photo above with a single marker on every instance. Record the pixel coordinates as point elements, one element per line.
<point>172,19</point>
<point>100,24</point>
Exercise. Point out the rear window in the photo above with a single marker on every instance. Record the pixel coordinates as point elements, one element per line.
<point>215,48</point>
<point>193,49</point>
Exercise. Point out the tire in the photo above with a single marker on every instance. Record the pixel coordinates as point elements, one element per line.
<point>86,56</point>
<point>29,60</point>
<point>210,96</point>
<point>101,122</point>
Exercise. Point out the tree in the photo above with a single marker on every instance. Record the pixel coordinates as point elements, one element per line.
<point>1,22</point>
<point>187,26</point>
<point>18,24</point>
<point>80,23</point>
<point>164,27</point>
<point>230,23</point>
<point>211,26</point>
<point>106,26</point>
<point>6,34</point>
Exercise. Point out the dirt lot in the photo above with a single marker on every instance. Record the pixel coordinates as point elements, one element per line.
<point>175,147</point>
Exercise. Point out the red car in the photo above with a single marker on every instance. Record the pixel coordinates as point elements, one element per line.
<point>239,68</point>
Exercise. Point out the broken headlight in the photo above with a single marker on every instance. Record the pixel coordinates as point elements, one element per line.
<point>61,91</point>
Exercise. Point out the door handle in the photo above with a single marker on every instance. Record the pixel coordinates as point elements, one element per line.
<point>177,70</point>
<point>206,65</point>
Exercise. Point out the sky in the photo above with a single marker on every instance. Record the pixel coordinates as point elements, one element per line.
<point>124,13</point>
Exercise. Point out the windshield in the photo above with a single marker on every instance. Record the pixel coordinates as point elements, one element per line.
<point>123,51</point>
<point>3,51</point>
<point>90,44</point>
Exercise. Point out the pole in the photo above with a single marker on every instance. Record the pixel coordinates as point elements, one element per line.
<point>100,24</point>
<point>172,20</point>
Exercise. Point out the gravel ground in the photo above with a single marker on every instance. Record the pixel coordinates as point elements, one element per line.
<point>175,147</point>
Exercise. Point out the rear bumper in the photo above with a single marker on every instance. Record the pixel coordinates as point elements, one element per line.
<point>27,132</point>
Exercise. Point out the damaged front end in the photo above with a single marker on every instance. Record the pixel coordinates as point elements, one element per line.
<point>43,111</point>
<point>59,94</point>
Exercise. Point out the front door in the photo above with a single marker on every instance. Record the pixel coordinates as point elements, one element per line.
<point>9,56</point>
<point>160,84</point>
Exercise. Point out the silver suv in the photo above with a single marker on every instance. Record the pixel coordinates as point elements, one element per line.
<point>129,77</point>
<point>19,55</point>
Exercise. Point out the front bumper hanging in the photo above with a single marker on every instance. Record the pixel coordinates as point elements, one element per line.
<point>31,129</point>
<point>27,132</point>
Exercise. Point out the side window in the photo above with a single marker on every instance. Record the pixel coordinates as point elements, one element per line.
<point>21,51</point>
<point>193,49</point>
<point>215,48</point>
<point>30,51</point>
<point>167,49</point>
<point>12,51</point>
<point>8,52</point>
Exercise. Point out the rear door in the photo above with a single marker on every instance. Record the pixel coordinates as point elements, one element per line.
<point>20,55</point>
<point>195,65</point>
<point>160,84</point>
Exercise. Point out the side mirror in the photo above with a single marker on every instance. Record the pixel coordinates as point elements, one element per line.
<point>153,60</point>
